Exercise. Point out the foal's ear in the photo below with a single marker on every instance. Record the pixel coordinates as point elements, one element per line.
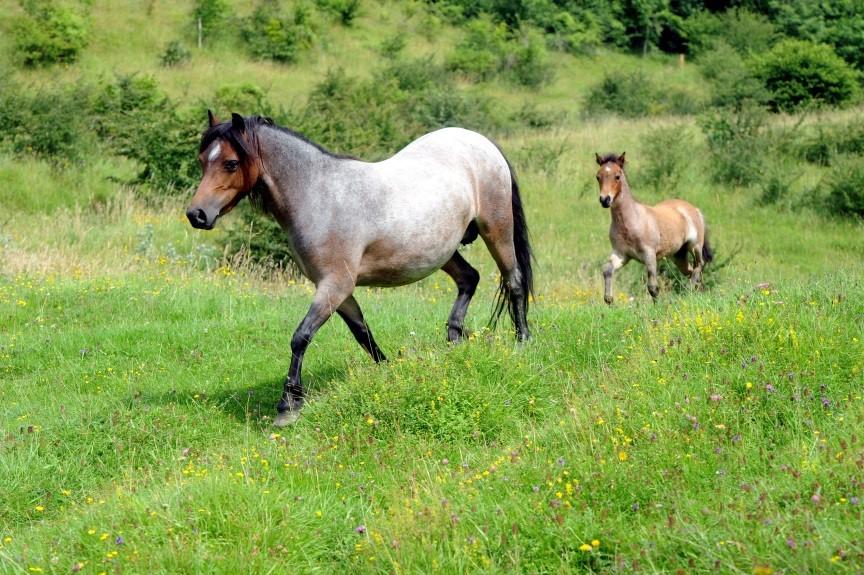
<point>238,123</point>
<point>598,158</point>
<point>620,160</point>
<point>211,118</point>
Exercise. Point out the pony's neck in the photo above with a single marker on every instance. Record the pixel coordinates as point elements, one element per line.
<point>624,206</point>
<point>292,169</point>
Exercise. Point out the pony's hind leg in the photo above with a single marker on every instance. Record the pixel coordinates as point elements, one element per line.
<point>698,264</point>
<point>511,291</point>
<point>466,278</point>
<point>353,316</point>
<point>682,261</point>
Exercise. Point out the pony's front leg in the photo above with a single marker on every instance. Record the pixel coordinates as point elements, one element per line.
<point>328,297</point>
<point>615,262</point>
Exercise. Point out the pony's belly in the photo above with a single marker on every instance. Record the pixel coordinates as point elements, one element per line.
<point>402,269</point>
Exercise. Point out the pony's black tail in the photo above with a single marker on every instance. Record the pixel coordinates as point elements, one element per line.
<point>524,257</point>
<point>707,250</point>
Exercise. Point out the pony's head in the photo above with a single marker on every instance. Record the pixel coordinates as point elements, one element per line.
<point>231,167</point>
<point>610,176</point>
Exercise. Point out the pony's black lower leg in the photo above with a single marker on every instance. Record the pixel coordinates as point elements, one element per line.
<point>518,306</point>
<point>325,302</point>
<point>353,316</point>
<point>466,278</point>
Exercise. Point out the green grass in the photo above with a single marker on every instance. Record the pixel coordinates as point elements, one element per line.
<point>711,432</point>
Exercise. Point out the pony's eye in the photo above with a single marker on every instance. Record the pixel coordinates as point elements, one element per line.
<point>617,176</point>
<point>231,165</point>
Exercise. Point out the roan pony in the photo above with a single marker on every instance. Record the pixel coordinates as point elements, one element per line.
<point>386,223</point>
<point>647,234</point>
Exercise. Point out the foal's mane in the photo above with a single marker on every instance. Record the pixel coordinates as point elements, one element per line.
<point>610,157</point>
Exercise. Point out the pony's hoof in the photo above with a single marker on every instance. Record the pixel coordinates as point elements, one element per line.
<point>608,299</point>
<point>286,418</point>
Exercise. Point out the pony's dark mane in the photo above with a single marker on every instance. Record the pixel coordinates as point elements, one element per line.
<point>227,131</point>
<point>610,157</point>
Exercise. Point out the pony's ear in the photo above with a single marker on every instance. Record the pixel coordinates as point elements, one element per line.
<point>620,160</point>
<point>238,123</point>
<point>598,159</point>
<point>211,118</point>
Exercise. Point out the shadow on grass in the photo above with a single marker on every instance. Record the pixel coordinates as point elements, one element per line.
<point>253,404</point>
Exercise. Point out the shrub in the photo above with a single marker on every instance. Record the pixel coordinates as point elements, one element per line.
<point>844,189</point>
<point>48,33</point>
<point>527,60</point>
<point>175,53</point>
<point>392,47</point>
<point>257,236</point>
<point>210,18</point>
<point>633,94</point>
<point>480,53</point>
<point>143,125</point>
<point>345,10</point>
<point>744,31</point>
<point>829,141</point>
<point>732,81</point>
<point>271,35</point>
<point>799,74</point>
<point>839,23</point>
<point>667,152</point>
<point>45,122</point>
<point>246,99</point>
<point>738,143</point>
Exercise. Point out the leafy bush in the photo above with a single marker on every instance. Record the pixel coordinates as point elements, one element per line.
<point>246,99</point>
<point>142,124</point>
<point>826,142</point>
<point>527,60</point>
<point>272,35</point>
<point>732,80</point>
<point>210,17</point>
<point>799,74</point>
<point>667,152</point>
<point>345,10</point>
<point>844,189</point>
<point>45,122</point>
<point>738,143</point>
<point>258,237</point>
<point>48,33</point>
<point>633,94</point>
<point>175,53</point>
<point>480,53</point>
<point>392,47</point>
<point>744,31</point>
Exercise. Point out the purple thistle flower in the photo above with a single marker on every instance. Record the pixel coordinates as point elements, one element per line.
<point>770,388</point>
<point>854,500</point>
<point>360,529</point>
<point>119,540</point>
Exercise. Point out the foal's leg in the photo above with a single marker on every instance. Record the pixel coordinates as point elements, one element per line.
<point>350,312</point>
<point>466,278</point>
<point>651,268</point>
<point>615,262</point>
<point>699,263</point>
<point>328,297</point>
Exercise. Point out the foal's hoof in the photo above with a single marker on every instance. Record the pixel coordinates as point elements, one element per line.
<point>286,418</point>
<point>608,299</point>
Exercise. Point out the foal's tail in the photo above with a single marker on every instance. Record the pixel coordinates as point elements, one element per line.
<point>524,257</point>
<point>707,250</point>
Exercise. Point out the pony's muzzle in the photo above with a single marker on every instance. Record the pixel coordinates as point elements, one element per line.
<point>199,219</point>
<point>605,201</point>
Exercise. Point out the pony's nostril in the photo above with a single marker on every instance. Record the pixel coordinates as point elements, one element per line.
<point>197,217</point>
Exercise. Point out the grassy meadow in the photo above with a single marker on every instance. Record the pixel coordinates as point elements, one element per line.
<point>717,431</point>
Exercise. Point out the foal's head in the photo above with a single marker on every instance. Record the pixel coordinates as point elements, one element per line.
<point>231,167</point>
<point>610,176</point>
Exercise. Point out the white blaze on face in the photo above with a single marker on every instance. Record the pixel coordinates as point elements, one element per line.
<point>215,150</point>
